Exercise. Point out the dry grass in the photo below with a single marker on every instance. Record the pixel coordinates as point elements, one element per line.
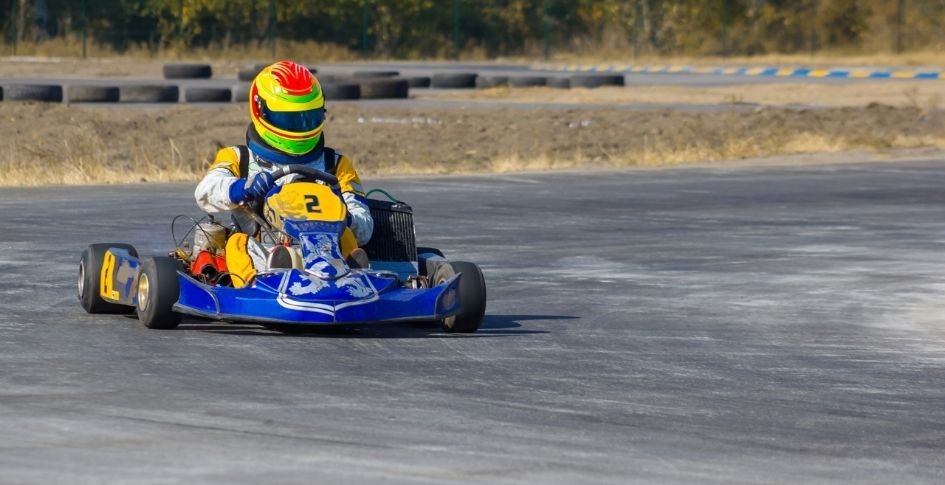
<point>661,155</point>
<point>921,58</point>
<point>56,144</point>
<point>71,47</point>
<point>924,95</point>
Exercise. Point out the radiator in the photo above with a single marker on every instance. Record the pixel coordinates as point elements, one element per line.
<point>394,238</point>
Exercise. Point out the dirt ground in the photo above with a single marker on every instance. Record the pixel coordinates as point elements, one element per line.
<point>61,144</point>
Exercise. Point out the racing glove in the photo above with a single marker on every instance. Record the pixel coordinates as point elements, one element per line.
<point>261,185</point>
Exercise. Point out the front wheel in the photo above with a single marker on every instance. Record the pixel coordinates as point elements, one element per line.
<point>158,290</point>
<point>472,296</point>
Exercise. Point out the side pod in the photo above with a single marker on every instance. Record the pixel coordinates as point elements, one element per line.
<point>119,278</point>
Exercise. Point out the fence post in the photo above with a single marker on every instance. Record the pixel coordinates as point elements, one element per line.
<point>456,29</point>
<point>811,33</point>
<point>899,17</point>
<point>85,21</point>
<point>180,28</point>
<point>272,27</point>
<point>364,28</point>
<point>15,20</point>
<point>545,29</point>
<point>725,21</point>
<point>637,27</point>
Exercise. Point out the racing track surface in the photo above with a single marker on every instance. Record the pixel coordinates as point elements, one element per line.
<point>699,325</point>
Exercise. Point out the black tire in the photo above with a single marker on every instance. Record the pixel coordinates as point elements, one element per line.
<point>374,74</point>
<point>158,290</point>
<point>472,296</point>
<point>384,89</point>
<point>312,69</point>
<point>527,81</point>
<point>241,93</point>
<point>333,79</point>
<point>418,81</point>
<point>149,94</point>
<point>1,93</point>
<point>559,82</point>
<point>48,93</point>
<point>90,274</point>
<point>249,73</point>
<point>93,94</point>
<point>461,80</point>
<point>596,81</point>
<point>486,82</point>
<point>424,249</point>
<point>187,71</point>
<point>341,91</point>
<point>202,94</point>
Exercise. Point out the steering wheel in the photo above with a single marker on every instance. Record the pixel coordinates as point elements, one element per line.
<point>248,220</point>
<point>307,173</point>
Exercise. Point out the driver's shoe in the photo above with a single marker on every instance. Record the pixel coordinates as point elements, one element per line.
<point>280,257</point>
<point>358,259</point>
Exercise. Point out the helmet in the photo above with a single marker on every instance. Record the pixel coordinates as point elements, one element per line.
<point>287,108</point>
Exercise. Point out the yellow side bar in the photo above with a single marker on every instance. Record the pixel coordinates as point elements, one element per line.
<point>106,281</point>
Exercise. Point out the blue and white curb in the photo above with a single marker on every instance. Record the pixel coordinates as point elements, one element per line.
<point>836,73</point>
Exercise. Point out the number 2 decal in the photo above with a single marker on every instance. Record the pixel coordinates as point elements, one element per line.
<point>312,205</point>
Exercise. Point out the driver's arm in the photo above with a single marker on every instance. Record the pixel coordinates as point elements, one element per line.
<point>362,225</point>
<point>213,192</point>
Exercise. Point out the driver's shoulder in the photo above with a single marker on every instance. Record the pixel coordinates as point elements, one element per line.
<point>228,158</point>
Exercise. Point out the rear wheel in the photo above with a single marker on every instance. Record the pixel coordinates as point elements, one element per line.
<point>472,296</point>
<point>90,277</point>
<point>158,290</point>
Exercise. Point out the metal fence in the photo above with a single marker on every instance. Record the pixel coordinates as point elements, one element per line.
<point>473,28</point>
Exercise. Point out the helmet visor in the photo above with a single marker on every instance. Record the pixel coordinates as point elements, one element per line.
<point>294,121</point>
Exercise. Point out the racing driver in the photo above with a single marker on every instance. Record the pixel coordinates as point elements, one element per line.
<point>287,110</point>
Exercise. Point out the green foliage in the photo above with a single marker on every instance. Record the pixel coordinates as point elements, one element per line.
<point>431,28</point>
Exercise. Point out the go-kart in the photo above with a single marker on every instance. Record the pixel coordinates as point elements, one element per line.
<point>294,239</point>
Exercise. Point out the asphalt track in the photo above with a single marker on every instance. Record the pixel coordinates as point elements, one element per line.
<point>767,325</point>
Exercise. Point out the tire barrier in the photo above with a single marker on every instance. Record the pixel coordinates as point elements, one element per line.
<point>418,81</point>
<point>187,71</point>
<point>249,73</point>
<point>591,81</point>
<point>486,82</point>
<point>208,95</point>
<point>48,93</point>
<point>341,91</point>
<point>559,82</point>
<point>454,80</point>
<point>92,94</point>
<point>332,79</point>
<point>149,93</point>
<point>241,93</point>
<point>385,89</point>
<point>527,81</point>
<point>374,74</point>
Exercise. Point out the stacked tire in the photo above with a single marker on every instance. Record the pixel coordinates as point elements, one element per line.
<point>187,71</point>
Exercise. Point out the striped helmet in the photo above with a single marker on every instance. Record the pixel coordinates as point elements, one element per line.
<point>287,107</point>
